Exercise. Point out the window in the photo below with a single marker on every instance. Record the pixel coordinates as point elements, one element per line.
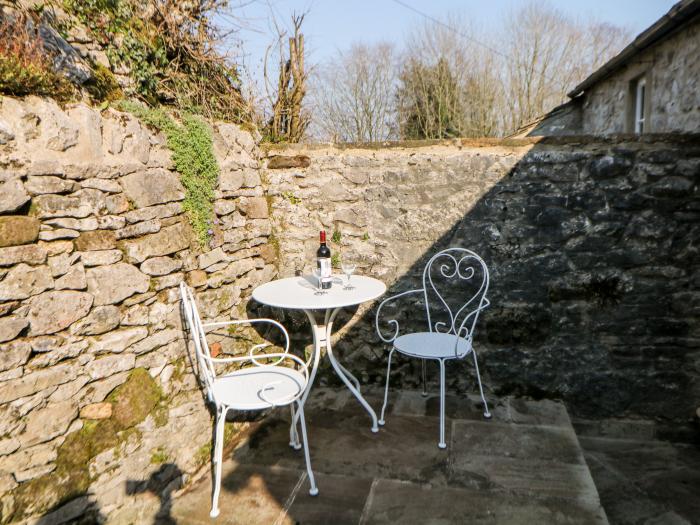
<point>639,94</point>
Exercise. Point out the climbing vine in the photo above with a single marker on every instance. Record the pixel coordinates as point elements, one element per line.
<point>193,155</point>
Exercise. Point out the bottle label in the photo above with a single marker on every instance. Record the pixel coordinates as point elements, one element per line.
<point>324,266</point>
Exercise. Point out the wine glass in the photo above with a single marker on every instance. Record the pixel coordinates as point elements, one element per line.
<point>317,274</point>
<point>348,268</point>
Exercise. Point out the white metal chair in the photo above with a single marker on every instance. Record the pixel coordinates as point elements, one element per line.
<point>256,387</point>
<point>451,337</point>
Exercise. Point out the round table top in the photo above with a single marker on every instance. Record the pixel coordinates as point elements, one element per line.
<point>298,292</point>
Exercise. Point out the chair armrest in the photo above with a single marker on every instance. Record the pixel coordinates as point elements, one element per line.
<point>221,324</point>
<point>255,360</point>
<point>392,322</point>
<point>485,304</point>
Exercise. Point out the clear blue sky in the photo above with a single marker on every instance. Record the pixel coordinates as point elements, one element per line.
<point>335,24</point>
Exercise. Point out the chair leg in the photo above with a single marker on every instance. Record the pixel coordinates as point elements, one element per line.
<point>487,414</point>
<point>425,390</point>
<point>218,459</point>
<point>314,489</point>
<point>293,433</point>
<point>386,388</point>
<point>442,443</point>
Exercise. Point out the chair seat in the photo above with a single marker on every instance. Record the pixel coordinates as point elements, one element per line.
<point>432,345</point>
<point>253,388</point>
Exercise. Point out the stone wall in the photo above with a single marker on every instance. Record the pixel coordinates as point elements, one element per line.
<point>591,243</point>
<point>673,87</point>
<point>97,398</point>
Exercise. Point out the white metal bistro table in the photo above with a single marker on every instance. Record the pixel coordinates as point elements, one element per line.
<point>298,293</point>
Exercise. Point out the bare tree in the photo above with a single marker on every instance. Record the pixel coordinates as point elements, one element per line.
<point>548,53</point>
<point>354,95</point>
<point>288,122</point>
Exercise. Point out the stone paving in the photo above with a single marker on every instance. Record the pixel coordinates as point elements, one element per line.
<point>645,481</point>
<point>523,466</point>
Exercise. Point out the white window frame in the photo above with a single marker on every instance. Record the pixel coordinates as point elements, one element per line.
<point>640,95</point>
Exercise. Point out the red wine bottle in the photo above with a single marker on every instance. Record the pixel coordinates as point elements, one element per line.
<point>323,262</point>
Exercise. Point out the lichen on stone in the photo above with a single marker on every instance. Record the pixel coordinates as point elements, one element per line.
<point>132,402</point>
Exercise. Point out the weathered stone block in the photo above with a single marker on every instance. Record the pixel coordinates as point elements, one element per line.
<point>167,281</point>
<point>48,206</point>
<point>230,180</point>
<point>156,186</point>
<point>154,212</point>
<point>105,185</point>
<point>23,281</point>
<point>255,208</point>
<point>139,229</point>
<point>12,195</point>
<point>61,233</point>
<point>14,354</point>
<point>30,254</point>
<point>40,185</point>
<point>169,240</point>
<point>19,229</point>
<point>87,224</point>
<point>196,278</point>
<point>39,381</point>
<point>277,162</point>
<point>48,423</point>
<point>207,259</point>
<point>96,240</point>
<point>101,258</point>
<point>68,350</point>
<point>74,279</point>
<point>110,365</point>
<point>56,247</point>
<point>51,312</point>
<point>156,340</point>
<point>11,326</point>
<point>160,265</point>
<point>100,320</point>
<point>113,283</point>
<point>117,341</point>
<point>116,204</point>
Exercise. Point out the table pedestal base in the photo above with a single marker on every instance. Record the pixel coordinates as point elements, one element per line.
<point>322,337</point>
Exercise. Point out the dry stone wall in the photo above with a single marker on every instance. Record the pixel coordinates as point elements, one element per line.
<point>592,246</point>
<point>98,404</point>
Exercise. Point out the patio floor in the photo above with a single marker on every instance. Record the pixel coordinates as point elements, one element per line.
<point>523,466</point>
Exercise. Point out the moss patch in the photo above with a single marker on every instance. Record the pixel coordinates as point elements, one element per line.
<point>132,402</point>
<point>193,155</point>
<point>159,456</point>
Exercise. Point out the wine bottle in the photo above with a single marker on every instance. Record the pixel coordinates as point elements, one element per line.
<point>323,262</point>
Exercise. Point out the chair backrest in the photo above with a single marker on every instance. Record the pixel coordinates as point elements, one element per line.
<point>455,282</point>
<point>194,324</point>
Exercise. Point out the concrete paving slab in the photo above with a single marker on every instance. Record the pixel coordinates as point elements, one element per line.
<point>395,501</point>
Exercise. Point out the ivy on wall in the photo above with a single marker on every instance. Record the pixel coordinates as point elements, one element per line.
<point>193,155</point>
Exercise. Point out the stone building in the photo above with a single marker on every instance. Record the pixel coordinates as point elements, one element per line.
<point>651,86</point>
